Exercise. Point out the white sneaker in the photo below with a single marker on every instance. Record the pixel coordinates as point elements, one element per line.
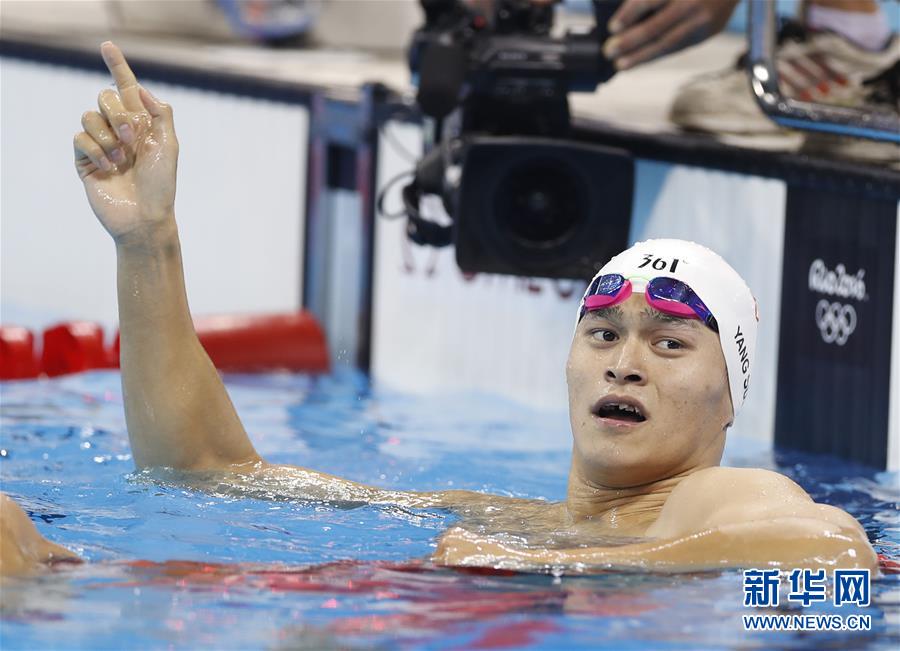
<point>880,93</point>
<point>820,67</point>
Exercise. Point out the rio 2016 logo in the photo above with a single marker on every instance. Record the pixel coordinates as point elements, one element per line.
<point>836,320</point>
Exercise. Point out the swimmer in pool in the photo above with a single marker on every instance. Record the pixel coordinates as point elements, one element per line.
<point>658,368</point>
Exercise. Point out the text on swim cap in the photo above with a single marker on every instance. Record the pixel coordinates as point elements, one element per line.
<point>744,355</point>
<point>659,264</point>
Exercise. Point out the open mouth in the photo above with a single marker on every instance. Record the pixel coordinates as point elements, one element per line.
<point>627,412</point>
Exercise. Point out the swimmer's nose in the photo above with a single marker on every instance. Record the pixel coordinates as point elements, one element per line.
<point>625,376</point>
<point>626,367</point>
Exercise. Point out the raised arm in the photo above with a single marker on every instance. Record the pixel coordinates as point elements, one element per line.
<point>176,408</point>
<point>724,518</point>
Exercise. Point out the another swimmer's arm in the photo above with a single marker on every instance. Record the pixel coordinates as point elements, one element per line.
<point>177,410</point>
<point>22,548</point>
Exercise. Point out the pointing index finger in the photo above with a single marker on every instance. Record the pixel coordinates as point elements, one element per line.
<point>129,90</point>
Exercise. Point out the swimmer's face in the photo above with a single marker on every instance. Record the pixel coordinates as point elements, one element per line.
<point>671,370</point>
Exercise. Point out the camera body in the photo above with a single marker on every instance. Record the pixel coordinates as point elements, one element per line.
<point>494,68</point>
<point>541,207</point>
<point>524,199</point>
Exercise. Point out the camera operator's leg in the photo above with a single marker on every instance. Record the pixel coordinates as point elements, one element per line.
<point>22,548</point>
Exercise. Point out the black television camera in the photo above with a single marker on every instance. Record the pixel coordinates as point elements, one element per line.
<point>524,200</point>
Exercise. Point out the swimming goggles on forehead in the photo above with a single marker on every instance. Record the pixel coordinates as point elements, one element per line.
<point>667,295</point>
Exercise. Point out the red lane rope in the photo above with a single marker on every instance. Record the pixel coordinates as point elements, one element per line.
<point>244,343</point>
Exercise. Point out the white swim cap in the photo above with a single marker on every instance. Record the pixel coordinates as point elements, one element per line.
<point>717,284</point>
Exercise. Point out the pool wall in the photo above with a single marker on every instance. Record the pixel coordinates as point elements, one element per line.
<point>304,233</point>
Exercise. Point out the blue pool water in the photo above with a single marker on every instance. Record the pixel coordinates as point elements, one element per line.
<point>268,573</point>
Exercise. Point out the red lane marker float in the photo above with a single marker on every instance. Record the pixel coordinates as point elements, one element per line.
<point>17,360</point>
<point>292,342</point>
<point>73,347</point>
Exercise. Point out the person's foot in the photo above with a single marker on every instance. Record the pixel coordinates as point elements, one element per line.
<point>820,67</point>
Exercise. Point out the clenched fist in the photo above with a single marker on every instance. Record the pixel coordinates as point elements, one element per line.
<point>127,154</point>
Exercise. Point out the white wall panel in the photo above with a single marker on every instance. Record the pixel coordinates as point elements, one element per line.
<point>240,204</point>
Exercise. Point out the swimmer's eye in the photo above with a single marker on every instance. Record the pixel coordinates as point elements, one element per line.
<point>601,334</point>
<point>670,344</point>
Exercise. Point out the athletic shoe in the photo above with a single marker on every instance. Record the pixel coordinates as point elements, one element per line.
<point>881,93</point>
<point>820,67</point>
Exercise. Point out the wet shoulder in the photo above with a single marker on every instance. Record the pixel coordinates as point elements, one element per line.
<point>713,496</point>
<point>722,483</point>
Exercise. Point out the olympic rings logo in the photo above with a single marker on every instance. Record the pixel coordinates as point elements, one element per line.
<point>836,321</point>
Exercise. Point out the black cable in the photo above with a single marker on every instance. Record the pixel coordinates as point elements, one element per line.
<point>398,148</point>
<point>379,202</point>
